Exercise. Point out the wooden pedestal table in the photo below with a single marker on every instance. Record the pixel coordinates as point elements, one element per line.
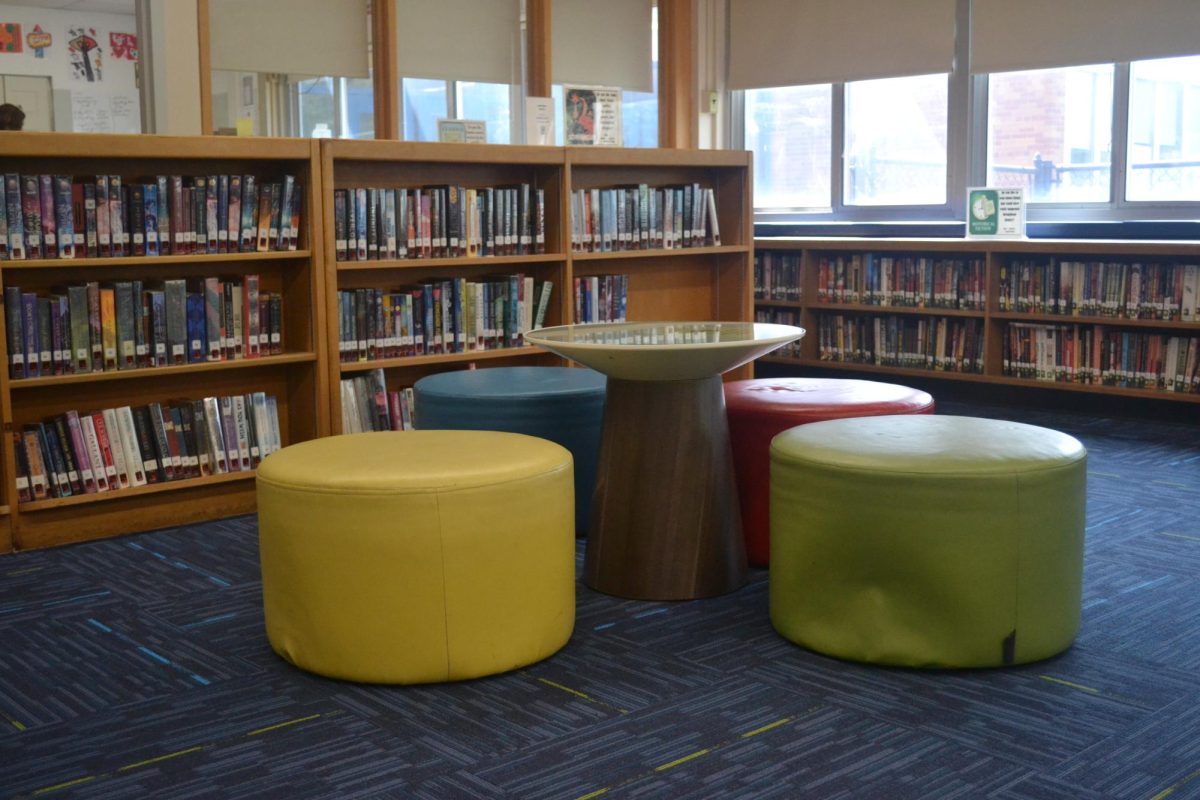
<point>665,523</point>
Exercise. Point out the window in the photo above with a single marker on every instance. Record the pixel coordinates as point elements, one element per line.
<point>1164,130</point>
<point>895,152</point>
<point>490,102</point>
<point>333,108</point>
<point>790,131</point>
<point>1112,141</point>
<point>316,107</point>
<point>1050,131</point>
<point>424,104</point>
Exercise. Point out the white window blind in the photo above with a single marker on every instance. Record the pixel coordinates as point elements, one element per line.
<point>601,43</point>
<point>800,42</point>
<point>1036,34</point>
<point>301,37</point>
<point>463,40</point>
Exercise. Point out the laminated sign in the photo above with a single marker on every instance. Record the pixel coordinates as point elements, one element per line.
<point>996,213</point>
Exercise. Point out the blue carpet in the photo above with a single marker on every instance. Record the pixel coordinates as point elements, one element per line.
<point>138,667</point>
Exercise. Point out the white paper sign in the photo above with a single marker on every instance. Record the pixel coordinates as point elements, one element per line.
<point>539,120</point>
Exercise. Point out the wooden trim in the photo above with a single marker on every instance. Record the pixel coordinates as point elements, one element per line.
<point>678,124</point>
<point>385,72</point>
<point>202,40</point>
<point>366,150</point>
<point>537,42</point>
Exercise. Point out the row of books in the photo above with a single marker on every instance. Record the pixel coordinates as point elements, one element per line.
<point>1126,291</point>
<point>102,216</point>
<point>1096,354</point>
<point>367,405</point>
<point>940,343</point>
<point>908,281</point>
<point>95,327</point>
<point>446,316</point>
<point>438,222</point>
<point>781,316</point>
<point>118,448</point>
<point>776,276</point>
<point>601,298</point>
<point>643,217</point>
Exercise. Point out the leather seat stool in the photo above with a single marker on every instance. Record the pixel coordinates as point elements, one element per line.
<point>931,541</point>
<point>417,556</point>
<point>561,404</point>
<point>759,409</point>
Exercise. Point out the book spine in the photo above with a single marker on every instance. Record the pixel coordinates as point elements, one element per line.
<point>145,440</point>
<point>249,213</point>
<point>116,217</point>
<point>64,215</point>
<point>79,448</point>
<point>16,217</point>
<point>127,430</point>
<point>162,447</point>
<point>92,443</point>
<point>211,225</point>
<point>106,451</point>
<point>234,215</point>
<point>137,219</point>
<point>49,218</point>
<point>150,218</point>
<point>15,331</point>
<point>222,214</point>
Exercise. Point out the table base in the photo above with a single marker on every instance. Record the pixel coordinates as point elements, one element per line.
<point>665,522</point>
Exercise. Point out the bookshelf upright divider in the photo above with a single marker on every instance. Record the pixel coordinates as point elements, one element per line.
<point>293,372</point>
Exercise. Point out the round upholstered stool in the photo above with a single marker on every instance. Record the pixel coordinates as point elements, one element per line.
<point>417,556</point>
<point>561,404</point>
<point>759,409</point>
<point>930,541</point>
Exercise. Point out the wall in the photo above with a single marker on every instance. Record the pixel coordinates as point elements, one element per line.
<point>110,102</point>
<point>176,66</point>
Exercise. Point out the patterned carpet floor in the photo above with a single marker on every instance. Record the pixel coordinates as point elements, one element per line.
<point>138,667</point>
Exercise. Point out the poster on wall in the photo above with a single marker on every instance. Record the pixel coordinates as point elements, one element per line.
<point>85,53</point>
<point>123,46</point>
<point>592,115</point>
<point>10,37</point>
<point>996,213</point>
<point>90,114</point>
<point>38,40</point>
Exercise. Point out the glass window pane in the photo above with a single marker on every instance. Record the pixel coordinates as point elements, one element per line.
<point>895,151</point>
<point>556,94</point>
<point>358,108</point>
<point>789,130</point>
<point>1050,131</point>
<point>424,105</point>
<point>1164,130</point>
<point>490,102</point>
<point>316,108</point>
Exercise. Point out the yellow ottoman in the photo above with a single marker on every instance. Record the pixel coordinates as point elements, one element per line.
<point>417,556</point>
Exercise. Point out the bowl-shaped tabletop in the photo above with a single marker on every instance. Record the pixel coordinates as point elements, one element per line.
<point>664,351</point>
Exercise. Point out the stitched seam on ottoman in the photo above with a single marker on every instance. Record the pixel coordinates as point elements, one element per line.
<point>445,604</point>
<point>1017,578</point>
<point>872,469</point>
<point>400,492</point>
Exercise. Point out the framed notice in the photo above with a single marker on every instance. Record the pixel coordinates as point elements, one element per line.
<point>470,131</point>
<point>592,115</point>
<point>996,213</point>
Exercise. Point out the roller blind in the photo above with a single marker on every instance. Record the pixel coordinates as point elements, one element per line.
<point>797,42</point>
<point>602,43</point>
<point>1035,34</point>
<point>464,40</point>
<point>301,37</point>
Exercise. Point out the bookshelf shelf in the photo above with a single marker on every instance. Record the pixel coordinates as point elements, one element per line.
<point>296,379</point>
<point>527,351</point>
<point>159,372</point>
<point>99,264</point>
<point>1044,266</point>
<point>867,308</point>
<point>681,252</point>
<point>437,263</point>
<point>135,491</point>
<point>1112,322</point>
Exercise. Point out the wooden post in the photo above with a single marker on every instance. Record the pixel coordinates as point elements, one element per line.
<point>677,114</point>
<point>537,37</point>
<point>202,40</point>
<point>384,69</point>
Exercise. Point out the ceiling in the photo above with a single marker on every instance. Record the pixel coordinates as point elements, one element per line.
<point>103,6</point>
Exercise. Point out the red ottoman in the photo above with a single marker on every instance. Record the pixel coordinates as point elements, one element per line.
<point>760,409</point>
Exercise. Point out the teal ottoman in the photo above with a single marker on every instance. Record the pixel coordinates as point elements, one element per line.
<point>927,541</point>
<point>562,404</point>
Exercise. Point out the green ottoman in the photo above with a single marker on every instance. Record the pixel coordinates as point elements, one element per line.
<point>930,541</point>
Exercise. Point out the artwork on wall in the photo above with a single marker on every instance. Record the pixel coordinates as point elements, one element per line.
<point>86,54</point>
<point>38,40</point>
<point>123,46</point>
<point>10,37</point>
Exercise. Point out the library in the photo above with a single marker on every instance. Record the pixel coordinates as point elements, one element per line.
<point>572,399</point>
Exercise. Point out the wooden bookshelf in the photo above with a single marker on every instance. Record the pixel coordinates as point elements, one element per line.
<point>689,283</point>
<point>297,377</point>
<point>997,256</point>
